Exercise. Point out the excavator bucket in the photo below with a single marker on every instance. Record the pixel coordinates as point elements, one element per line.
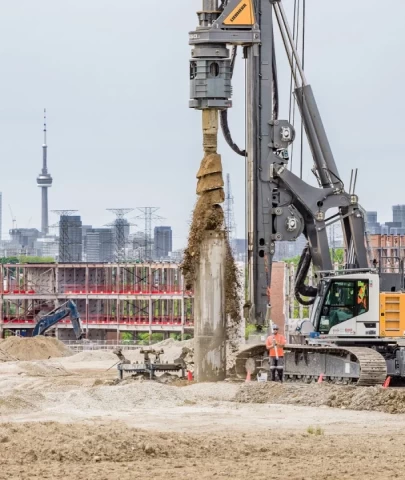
<point>75,319</point>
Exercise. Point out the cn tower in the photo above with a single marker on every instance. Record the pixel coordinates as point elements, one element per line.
<point>44,181</point>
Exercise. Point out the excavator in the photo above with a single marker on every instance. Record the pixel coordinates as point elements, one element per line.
<point>52,318</point>
<point>356,332</point>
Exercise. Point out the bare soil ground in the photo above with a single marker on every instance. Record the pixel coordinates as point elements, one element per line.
<point>68,418</point>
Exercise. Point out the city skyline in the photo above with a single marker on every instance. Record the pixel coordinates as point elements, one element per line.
<point>102,146</point>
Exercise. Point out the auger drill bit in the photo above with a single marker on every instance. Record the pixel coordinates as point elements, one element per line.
<point>210,182</point>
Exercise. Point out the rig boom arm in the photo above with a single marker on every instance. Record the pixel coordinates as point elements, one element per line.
<point>280,205</point>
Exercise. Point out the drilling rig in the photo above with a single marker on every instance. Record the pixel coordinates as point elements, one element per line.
<point>357,329</point>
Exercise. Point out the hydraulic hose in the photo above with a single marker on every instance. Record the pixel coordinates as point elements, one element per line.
<point>275,82</point>
<point>224,115</point>
<point>227,134</point>
<point>300,289</point>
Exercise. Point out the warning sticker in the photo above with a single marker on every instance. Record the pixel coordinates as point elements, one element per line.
<point>241,15</point>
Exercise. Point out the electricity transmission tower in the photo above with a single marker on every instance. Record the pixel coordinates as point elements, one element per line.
<point>121,232</point>
<point>148,215</point>
<point>230,224</point>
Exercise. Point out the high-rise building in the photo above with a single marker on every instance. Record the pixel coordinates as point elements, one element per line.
<point>44,181</point>
<point>398,214</point>
<point>100,245</point>
<point>177,255</point>
<point>163,242</point>
<point>47,246</point>
<point>372,224</point>
<point>70,238</point>
<point>85,230</point>
<point>136,245</point>
<point>240,249</point>
<point>372,217</point>
<point>25,239</point>
<point>1,216</point>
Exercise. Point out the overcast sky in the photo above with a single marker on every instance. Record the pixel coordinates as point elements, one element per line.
<point>113,75</point>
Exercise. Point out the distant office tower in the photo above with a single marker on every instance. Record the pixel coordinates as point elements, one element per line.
<point>1,216</point>
<point>44,181</point>
<point>100,245</point>
<point>385,229</point>
<point>163,239</point>
<point>398,214</point>
<point>240,249</point>
<point>47,246</point>
<point>371,217</point>
<point>85,229</point>
<point>25,239</point>
<point>372,223</point>
<point>70,238</point>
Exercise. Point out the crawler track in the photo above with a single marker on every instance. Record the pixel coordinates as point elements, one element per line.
<point>372,366</point>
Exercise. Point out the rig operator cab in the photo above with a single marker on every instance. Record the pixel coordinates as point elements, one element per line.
<point>352,305</point>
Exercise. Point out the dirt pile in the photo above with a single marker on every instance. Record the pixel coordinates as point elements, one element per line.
<point>92,356</point>
<point>336,396</point>
<point>138,393</point>
<point>35,348</point>
<point>6,357</point>
<point>16,403</point>
<point>42,369</point>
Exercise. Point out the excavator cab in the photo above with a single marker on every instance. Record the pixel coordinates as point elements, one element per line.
<point>343,306</point>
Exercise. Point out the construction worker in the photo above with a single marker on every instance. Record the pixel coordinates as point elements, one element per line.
<point>362,298</point>
<point>274,344</point>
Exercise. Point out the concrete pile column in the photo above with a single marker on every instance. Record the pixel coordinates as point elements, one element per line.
<point>210,318</point>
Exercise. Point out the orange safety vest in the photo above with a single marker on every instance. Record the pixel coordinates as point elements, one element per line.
<point>361,297</point>
<point>275,339</point>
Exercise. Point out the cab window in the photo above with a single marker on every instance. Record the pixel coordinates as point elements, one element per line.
<point>344,300</point>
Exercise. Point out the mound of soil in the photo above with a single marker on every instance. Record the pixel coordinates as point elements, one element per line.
<point>35,348</point>
<point>336,396</point>
<point>92,356</point>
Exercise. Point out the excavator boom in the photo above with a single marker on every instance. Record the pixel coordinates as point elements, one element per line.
<point>51,319</point>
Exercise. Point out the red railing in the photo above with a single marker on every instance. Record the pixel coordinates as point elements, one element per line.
<point>20,291</point>
<point>19,320</point>
<point>105,320</point>
<point>104,290</point>
<point>121,290</point>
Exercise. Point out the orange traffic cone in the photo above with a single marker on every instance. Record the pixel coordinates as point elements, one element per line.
<point>248,377</point>
<point>386,384</point>
<point>320,379</point>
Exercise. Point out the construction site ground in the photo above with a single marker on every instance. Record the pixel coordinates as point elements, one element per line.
<point>69,418</point>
